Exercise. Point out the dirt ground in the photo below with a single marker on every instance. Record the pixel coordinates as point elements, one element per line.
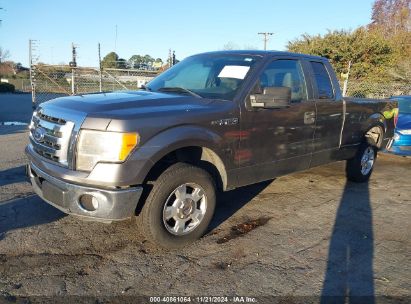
<point>302,235</point>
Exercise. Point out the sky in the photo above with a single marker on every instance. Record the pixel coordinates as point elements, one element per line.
<point>154,27</point>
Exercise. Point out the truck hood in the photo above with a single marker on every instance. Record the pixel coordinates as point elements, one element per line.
<point>113,104</point>
<point>124,111</point>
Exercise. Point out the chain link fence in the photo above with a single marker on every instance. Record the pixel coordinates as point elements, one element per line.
<point>376,90</point>
<point>21,85</point>
<point>52,81</point>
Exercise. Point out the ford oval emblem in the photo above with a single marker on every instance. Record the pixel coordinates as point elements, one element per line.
<point>39,133</point>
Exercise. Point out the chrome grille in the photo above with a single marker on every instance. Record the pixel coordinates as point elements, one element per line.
<point>45,117</point>
<point>50,137</point>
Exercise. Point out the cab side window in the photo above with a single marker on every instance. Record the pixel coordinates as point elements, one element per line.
<point>322,78</point>
<point>285,73</point>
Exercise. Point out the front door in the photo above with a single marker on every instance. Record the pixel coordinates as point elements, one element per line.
<point>275,142</point>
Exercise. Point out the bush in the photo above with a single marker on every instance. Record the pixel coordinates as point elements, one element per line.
<point>6,87</point>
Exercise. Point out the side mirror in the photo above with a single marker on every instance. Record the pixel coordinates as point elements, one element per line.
<point>272,98</point>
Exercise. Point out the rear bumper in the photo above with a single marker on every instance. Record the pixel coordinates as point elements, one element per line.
<point>112,204</point>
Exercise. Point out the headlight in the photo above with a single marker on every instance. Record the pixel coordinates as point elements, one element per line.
<point>404,132</point>
<point>98,146</point>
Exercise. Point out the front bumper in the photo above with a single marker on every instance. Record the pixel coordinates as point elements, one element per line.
<point>112,204</point>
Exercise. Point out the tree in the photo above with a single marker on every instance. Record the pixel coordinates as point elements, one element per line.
<point>230,46</point>
<point>136,61</point>
<point>250,47</point>
<point>393,19</point>
<point>380,51</point>
<point>148,59</point>
<point>121,63</point>
<point>4,54</point>
<point>234,46</point>
<point>110,60</point>
<point>391,16</point>
<point>370,53</point>
<point>402,72</point>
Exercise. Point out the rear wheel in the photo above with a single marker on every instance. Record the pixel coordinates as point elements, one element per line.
<point>179,207</point>
<point>360,167</point>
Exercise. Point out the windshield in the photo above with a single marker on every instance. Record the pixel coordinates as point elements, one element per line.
<point>405,105</point>
<point>210,76</point>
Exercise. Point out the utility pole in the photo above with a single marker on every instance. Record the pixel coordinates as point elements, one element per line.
<point>32,61</point>
<point>345,76</point>
<point>73,65</point>
<point>100,69</point>
<point>265,39</point>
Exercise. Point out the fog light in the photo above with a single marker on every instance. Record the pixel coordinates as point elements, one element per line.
<point>88,202</point>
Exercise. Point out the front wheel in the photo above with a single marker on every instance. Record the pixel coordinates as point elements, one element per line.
<point>360,167</point>
<point>179,207</point>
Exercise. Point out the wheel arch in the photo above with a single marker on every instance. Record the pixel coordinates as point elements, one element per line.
<point>198,155</point>
<point>201,156</point>
<point>375,130</point>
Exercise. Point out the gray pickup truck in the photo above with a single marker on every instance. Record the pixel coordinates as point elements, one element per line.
<point>215,121</point>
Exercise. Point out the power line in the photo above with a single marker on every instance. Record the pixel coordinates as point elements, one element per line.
<point>266,37</point>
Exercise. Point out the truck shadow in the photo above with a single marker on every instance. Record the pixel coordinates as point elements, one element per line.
<point>349,276</point>
<point>230,202</point>
<point>26,212</point>
<point>12,176</point>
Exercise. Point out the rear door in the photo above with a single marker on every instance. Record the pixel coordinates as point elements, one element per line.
<point>329,119</point>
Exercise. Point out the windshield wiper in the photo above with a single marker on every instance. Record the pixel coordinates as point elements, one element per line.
<point>178,90</point>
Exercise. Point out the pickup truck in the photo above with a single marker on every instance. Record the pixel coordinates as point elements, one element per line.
<point>213,122</point>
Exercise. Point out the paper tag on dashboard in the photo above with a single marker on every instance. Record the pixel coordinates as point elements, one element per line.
<point>234,71</point>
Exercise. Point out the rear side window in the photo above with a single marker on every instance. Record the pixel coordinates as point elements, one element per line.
<point>322,78</point>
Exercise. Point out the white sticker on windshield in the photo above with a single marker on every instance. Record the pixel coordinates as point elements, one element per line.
<point>234,71</point>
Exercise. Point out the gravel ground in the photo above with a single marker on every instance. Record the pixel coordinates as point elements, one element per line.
<point>305,234</point>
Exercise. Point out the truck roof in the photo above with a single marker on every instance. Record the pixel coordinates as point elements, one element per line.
<point>267,53</point>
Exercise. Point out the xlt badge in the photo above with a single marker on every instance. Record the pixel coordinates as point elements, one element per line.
<point>225,122</point>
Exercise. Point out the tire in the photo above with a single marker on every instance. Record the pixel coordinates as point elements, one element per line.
<point>359,168</point>
<point>179,207</point>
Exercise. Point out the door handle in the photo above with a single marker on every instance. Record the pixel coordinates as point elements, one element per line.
<point>309,118</point>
